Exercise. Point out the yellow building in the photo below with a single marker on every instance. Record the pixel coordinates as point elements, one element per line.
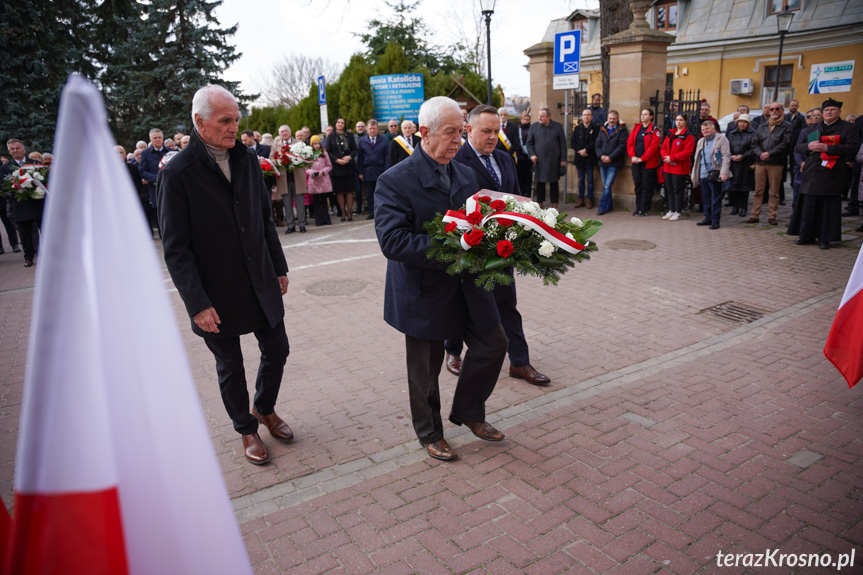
<point>728,49</point>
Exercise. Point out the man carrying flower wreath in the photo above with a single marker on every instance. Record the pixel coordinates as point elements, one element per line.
<point>26,213</point>
<point>495,170</point>
<point>424,302</point>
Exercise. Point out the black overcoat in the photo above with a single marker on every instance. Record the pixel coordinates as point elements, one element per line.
<point>740,144</point>
<point>818,180</point>
<point>219,239</point>
<point>548,144</point>
<point>420,299</point>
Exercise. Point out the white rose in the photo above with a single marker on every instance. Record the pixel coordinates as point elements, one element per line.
<point>507,198</point>
<point>27,184</point>
<point>552,211</point>
<point>511,235</point>
<point>530,207</point>
<point>546,248</point>
<point>550,220</point>
<point>577,222</point>
<point>569,235</point>
<point>38,176</point>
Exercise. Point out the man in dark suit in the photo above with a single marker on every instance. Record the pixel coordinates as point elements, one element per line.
<point>401,147</point>
<point>372,158</point>
<point>224,256</point>
<point>507,139</point>
<point>149,169</point>
<point>494,170</point>
<point>248,138</point>
<point>19,216</point>
<point>424,302</point>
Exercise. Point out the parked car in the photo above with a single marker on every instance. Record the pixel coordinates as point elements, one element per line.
<point>725,120</point>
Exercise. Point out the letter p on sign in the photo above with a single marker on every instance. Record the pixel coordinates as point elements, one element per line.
<point>567,52</point>
<point>567,46</point>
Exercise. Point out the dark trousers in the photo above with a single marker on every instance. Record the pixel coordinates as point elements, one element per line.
<point>358,195</point>
<point>553,191</point>
<point>322,211</point>
<point>524,174</point>
<point>711,199</point>
<point>645,184</point>
<point>370,194</point>
<point>11,230</point>
<point>505,297</point>
<point>29,231</point>
<point>273,343</point>
<point>585,173</point>
<point>675,186</point>
<point>479,372</point>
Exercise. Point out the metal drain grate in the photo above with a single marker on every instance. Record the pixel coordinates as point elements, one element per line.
<point>734,312</point>
<point>629,244</point>
<point>336,287</point>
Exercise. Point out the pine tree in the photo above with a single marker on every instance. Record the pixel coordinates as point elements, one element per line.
<point>42,42</point>
<point>355,97</point>
<point>173,47</point>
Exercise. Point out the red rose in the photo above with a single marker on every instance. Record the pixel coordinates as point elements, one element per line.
<point>474,218</point>
<point>498,205</point>
<point>474,237</point>
<point>504,222</point>
<point>450,227</point>
<point>484,199</point>
<point>504,248</point>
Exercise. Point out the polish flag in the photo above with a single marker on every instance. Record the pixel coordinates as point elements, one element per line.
<point>844,347</point>
<point>115,470</point>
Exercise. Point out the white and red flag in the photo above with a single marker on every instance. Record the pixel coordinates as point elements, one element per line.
<point>115,470</point>
<point>844,347</point>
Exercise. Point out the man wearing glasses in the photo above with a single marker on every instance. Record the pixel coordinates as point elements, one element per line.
<point>771,143</point>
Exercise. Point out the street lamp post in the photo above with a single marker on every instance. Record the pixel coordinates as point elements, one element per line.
<point>487,10</point>
<point>783,22</point>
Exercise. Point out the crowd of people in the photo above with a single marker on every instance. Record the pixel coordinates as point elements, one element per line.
<point>819,151</point>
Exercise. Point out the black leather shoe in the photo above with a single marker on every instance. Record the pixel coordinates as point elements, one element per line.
<point>714,226</point>
<point>302,229</point>
<point>860,229</point>
<point>255,450</point>
<point>824,245</point>
<point>16,248</point>
<point>849,212</point>
<point>290,230</point>
<point>482,429</point>
<point>529,374</point>
<point>453,364</point>
<point>28,263</point>
<point>440,449</point>
<point>703,223</point>
<point>804,242</point>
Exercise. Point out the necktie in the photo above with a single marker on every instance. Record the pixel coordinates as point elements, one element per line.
<point>444,177</point>
<point>491,171</point>
<point>373,141</point>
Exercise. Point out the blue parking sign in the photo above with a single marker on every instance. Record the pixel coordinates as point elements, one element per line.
<point>322,92</point>
<point>567,52</point>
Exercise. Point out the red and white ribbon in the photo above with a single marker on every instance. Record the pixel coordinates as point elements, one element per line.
<point>537,225</point>
<point>24,176</point>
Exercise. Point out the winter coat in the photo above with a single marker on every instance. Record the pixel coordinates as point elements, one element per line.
<point>613,146</point>
<point>548,144</point>
<point>777,142</point>
<point>652,138</point>
<point>740,144</point>
<point>680,148</point>
<point>721,147</point>
<point>322,166</point>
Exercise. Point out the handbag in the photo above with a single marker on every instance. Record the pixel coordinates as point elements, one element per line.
<point>713,176</point>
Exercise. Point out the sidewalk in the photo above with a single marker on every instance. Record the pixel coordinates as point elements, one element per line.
<point>667,434</point>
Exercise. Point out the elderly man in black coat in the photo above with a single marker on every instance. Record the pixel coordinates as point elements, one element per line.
<point>546,144</point>
<point>424,302</point>
<point>223,253</point>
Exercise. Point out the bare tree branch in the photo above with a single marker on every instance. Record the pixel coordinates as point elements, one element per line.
<point>289,80</point>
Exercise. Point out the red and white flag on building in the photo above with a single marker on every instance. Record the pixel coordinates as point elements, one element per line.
<point>844,347</point>
<point>115,470</point>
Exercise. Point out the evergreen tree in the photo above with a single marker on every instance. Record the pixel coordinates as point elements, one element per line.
<point>173,47</point>
<point>355,97</point>
<point>393,61</point>
<point>42,42</point>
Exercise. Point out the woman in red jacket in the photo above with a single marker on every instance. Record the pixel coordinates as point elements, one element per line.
<point>677,150</point>
<point>643,150</point>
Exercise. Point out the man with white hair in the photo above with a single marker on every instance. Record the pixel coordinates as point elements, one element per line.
<point>224,256</point>
<point>424,302</point>
<point>149,169</point>
<point>404,145</point>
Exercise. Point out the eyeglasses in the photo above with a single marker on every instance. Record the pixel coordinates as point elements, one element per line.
<point>776,109</point>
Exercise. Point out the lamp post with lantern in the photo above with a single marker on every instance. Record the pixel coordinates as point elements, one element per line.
<point>487,7</point>
<point>783,22</point>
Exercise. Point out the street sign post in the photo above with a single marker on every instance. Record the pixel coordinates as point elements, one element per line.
<point>567,61</point>
<point>322,101</point>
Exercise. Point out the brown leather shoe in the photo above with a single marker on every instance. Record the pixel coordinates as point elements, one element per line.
<point>588,203</point>
<point>453,364</point>
<point>440,449</point>
<point>579,203</point>
<point>527,373</point>
<point>772,221</point>
<point>256,451</point>
<point>278,428</point>
<point>482,429</point>
<point>752,221</point>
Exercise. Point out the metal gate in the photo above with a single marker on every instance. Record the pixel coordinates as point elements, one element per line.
<point>666,109</point>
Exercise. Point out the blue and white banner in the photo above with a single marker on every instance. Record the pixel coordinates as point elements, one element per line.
<point>397,96</point>
<point>831,77</point>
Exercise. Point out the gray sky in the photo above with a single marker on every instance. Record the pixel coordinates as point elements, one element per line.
<point>269,29</point>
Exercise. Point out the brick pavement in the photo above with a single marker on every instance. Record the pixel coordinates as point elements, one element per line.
<point>666,436</point>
